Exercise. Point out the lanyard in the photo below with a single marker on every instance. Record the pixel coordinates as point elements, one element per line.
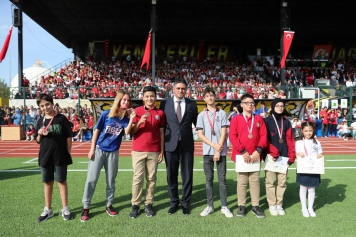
<point>280,131</point>
<point>249,128</point>
<point>305,149</point>
<point>46,127</point>
<point>211,124</point>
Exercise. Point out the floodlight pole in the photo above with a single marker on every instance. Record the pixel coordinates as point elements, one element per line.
<point>283,71</point>
<point>153,51</point>
<point>20,47</point>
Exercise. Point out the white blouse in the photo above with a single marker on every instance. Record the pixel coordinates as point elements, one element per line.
<point>308,147</point>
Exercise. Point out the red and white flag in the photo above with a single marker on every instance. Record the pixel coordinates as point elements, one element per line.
<point>106,50</point>
<point>147,54</point>
<point>5,45</point>
<point>287,41</point>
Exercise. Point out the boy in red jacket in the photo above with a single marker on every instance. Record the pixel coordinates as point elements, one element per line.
<point>248,136</point>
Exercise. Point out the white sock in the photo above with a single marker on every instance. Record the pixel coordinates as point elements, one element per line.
<point>311,197</point>
<point>303,196</point>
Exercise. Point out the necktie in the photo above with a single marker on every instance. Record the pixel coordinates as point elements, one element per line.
<point>179,112</point>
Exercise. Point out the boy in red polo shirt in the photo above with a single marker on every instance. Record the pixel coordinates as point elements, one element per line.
<point>147,150</point>
<point>248,136</point>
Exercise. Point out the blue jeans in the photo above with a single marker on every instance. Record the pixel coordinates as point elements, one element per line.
<point>209,174</point>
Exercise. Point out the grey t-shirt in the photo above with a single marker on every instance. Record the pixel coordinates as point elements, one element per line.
<point>220,122</point>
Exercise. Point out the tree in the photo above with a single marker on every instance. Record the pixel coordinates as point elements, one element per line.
<point>4,89</point>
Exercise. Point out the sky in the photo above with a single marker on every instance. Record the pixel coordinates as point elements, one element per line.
<point>38,44</point>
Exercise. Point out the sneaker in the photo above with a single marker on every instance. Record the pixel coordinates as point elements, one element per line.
<point>111,211</point>
<point>80,140</point>
<point>226,212</point>
<point>280,210</point>
<point>346,139</point>
<point>46,214</point>
<point>305,213</point>
<point>149,210</point>
<point>241,211</point>
<point>66,214</point>
<point>258,212</point>
<point>85,215</point>
<point>273,210</point>
<point>312,213</point>
<point>134,211</point>
<point>208,210</point>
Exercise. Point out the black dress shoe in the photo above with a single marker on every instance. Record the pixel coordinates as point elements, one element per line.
<point>186,211</point>
<point>172,210</point>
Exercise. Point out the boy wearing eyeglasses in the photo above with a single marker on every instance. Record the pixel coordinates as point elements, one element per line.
<point>280,143</point>
<point>248,136</point>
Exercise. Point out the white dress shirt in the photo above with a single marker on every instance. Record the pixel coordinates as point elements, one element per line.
<point>182,105</point>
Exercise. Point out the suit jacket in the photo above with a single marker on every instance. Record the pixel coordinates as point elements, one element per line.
<point>174,128</point>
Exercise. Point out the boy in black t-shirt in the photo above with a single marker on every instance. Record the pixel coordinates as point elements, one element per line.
<point>54,135</point>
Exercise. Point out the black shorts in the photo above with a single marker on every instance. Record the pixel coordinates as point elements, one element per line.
<point>48,173</point>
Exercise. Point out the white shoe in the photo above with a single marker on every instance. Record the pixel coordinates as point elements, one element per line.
<point>312,213</point>
<point>208,210</point>
<point>80,140</point>
<point>280,210</point>
<point>346,139</point>
<point>46,214</point>
<point>305,213</point>
<point>273,210</point>
<point>226,212</point>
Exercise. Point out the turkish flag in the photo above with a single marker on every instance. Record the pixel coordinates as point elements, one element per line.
<point>6,45</point>
<point>106,49</point>
<point>147,54</point>
<point>287,41</point>
<point>201,51</point>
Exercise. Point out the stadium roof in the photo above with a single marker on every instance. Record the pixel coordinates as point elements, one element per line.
<point>247,22</point>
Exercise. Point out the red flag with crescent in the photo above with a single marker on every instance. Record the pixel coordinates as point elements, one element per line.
<point>106,49</point>
<point>5,45</point>
<point>201,51</point>
<point>147,54</point>
<point>287,41</point>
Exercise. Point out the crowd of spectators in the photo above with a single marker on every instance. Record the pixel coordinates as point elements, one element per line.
<point>81,120</point>
<point>231,79</point>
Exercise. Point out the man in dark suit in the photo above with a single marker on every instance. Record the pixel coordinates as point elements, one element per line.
<point>179,145</point>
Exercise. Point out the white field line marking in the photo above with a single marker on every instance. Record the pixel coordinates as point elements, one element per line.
<point>161,170</point>
<point>31,161</point>
<point>339,160</point>
<point>86,162</point>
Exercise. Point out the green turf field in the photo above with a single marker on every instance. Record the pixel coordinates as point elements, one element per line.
<point>21,202</point>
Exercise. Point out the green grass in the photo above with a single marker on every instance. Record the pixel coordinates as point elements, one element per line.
<point>21,202</point>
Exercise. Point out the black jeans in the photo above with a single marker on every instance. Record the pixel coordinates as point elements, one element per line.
<point>209,174</point>
<point>324,130</point>
<point>332,129</point>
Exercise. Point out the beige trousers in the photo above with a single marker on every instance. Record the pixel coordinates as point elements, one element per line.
<point>253,180</point>
<point>274,192</point>
<point>144,165</point>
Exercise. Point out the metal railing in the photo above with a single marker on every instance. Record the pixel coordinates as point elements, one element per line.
<point>53,69</point>
<point>260,92</point>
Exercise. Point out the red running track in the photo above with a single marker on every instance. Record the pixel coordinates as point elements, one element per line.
<point>80,149</point>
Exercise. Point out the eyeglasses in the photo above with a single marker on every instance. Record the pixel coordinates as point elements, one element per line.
<point>248,103</point>
<point>279,106</point>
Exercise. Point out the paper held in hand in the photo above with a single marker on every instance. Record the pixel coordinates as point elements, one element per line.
<point>310,165</point>
<point>279,166</point>
<point>242,166</point>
